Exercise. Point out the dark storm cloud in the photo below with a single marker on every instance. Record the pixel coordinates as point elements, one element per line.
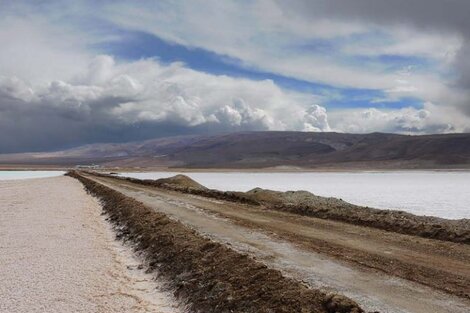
<point>437,16</point>
<point>434,14</point>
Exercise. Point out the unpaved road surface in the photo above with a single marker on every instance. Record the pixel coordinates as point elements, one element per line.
<point>317,251</point>
<point>57,254</point>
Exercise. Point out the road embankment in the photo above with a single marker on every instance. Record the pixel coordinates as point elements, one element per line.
<point>307,204</point>
<point>209,276</point>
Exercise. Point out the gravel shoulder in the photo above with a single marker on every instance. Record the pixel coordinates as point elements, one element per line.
<point>58,254</point>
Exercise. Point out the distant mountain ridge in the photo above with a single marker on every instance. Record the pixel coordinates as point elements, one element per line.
<point>269,149</point>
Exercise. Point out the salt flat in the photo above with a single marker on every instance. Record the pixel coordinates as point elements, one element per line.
<point>57,254</point>
<point>20,174</point>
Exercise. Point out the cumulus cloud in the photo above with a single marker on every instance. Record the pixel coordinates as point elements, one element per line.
<point>119,101</point>
<point>239,113</point>
<point>143,99</point>
<point>429,119</point>
<point>316,119</point>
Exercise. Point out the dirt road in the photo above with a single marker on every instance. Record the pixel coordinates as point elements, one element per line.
<point>362,263</point>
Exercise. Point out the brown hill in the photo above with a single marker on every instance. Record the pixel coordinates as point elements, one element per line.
<point>270,149</point>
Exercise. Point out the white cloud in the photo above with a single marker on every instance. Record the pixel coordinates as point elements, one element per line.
<point>14,88</point>
<point>34,50</point>
<point>408,42</point>
<point>239,113</point>
<point>430,119</point>
<point>112,100</point>
<point>123,96</point>
<point>316,119</point>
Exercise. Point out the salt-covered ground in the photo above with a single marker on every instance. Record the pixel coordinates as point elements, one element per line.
<point>19,174</point>
<point>57,254</point>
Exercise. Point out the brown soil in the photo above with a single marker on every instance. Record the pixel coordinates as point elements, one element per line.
<point>307,204</point>
<point>180,181</point>
<point>209,276</point>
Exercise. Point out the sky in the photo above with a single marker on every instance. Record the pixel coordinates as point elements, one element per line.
<point>80,72</point>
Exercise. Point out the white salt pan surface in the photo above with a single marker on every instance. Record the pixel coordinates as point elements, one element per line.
<point>9,175</point>
<point>57,254</point>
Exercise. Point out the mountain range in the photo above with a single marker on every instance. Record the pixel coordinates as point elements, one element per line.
<point>268,150</point>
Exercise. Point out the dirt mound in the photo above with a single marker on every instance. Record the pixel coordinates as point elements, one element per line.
<point>297,198</point>
<point>185,184</point>
<point>209,276</point>
<point>180,181</point>
<point>308,204</point>
<point>340,304</point>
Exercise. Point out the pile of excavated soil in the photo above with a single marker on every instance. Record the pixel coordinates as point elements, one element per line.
<point>185,184</point>
<point>308,204</point>
<point>209,276</point>
<point>180,181</point>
